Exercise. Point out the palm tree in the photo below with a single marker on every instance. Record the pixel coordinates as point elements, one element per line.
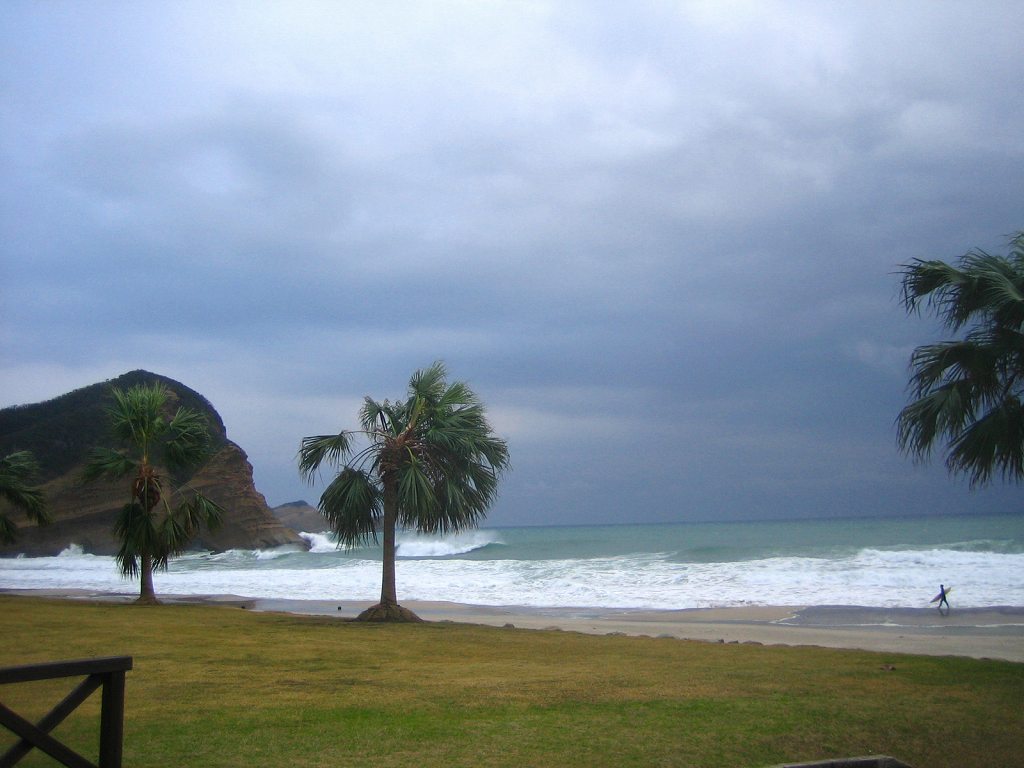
<point>431,463</point>
<point>149,528</point>
<point>967,392</point>
<point>17,471</point>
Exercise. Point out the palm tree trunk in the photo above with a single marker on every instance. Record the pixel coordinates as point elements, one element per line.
<point>146,593</point>
<point>388,591</point>
<point>388,608</point>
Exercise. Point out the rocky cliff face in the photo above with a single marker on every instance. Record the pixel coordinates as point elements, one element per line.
<point>227,479</point>
<point>60,433</point>
<point>301,517</point>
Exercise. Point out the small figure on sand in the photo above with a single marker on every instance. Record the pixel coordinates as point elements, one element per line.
<point>941,597</point>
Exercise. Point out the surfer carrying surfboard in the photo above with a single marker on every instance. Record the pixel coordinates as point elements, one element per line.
<point>941,597</point>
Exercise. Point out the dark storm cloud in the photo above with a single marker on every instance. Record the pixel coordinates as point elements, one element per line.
<point>661,241</point>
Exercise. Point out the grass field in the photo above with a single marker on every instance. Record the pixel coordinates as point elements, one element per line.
<point>218,686</point>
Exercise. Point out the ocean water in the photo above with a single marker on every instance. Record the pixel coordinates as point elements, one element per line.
<point>868,562</point>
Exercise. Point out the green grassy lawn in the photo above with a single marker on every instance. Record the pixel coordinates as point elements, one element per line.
<point>218,686</point>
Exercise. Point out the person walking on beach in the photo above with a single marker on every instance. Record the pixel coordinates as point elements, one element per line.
<point>942,598</point>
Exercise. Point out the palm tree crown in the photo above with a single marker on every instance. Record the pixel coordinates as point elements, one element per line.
<point>149,528</point>
<point>430,463</point>
<point>968,392</point>
<point>17,471</point>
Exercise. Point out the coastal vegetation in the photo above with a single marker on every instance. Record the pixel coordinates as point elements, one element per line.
<point>18,472</point>
<point>431,465</point>
<point>224,687</point>
<point>967,392</point>
<point>159,520</point>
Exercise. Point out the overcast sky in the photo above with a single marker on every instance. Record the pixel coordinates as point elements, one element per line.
<point>661,240</point>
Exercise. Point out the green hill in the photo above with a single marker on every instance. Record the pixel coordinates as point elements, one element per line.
<point>60,432</point>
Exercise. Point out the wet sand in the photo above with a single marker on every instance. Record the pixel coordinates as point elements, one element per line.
<point>996,632</point>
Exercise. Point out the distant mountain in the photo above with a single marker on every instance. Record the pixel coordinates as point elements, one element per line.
<point>60,432</point>
<point>301,517</point>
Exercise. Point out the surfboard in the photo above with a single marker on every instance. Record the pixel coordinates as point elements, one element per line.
<point>939,596</point>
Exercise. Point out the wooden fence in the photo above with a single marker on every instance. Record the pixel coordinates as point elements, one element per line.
<point>106,672</point>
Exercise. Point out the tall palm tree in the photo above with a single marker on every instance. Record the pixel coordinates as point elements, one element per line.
<point>430,463</point>
<point>154,442</point>
<point>17,472</point>
<point>967,392</point>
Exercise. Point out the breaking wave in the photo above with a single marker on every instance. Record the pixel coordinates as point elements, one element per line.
<point>659,567</point>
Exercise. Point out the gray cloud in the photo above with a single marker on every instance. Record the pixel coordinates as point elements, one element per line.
<point>661,241</point>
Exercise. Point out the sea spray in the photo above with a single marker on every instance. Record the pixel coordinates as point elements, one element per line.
<point>413,546</point>
<point>449,546</point>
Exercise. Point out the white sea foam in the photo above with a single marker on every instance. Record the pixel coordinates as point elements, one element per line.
<point>416,546</point>
<point>458,544</point>
<point>276,552</point>
<point>320,542</point>
<point>476,568</point>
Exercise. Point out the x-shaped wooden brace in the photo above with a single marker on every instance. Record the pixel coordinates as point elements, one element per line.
<point>111,678</point>
<point>39,735</point>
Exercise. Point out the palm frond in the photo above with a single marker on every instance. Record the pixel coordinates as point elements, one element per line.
<point>966,361</point>
<point>18,472</point>
<point>8,530</point>
<point>128,562</point>
<point>177,528</point>
<point>494,451</point>
<point>207,511</point>
<point>187,439</point>
<point>981,373</point>
<point>930,280</point>
<point>317,449</point>
<point>983,285</point>
<point>459,507</point>
<point>992,443</point>
<point>108,463</point>
<point>136,416</point>
<point>997,290</point>
<point>196,512</point>
<point>19,467</point>
<point>944,411</point>
<point>415,492</point>
<point>133,527</point>
<point>458,395</point>
<point>428,383</point>
<point>463,485</point>
<point>379,418</point>
<point>466,433</point>
<point>175,532</point>
<point>162,559</point>
<point>352,504</point>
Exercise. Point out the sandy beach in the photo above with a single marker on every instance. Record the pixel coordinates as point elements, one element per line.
<point>996,632</point>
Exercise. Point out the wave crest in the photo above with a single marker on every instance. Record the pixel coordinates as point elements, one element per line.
<point>448,546</point>
<point>320,542</point>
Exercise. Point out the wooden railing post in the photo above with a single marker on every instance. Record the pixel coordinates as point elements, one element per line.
<point>112,720</point>
<point>106,672</point>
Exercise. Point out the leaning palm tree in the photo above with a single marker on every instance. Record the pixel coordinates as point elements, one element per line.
<point>430,463</point>
<point>968,392</point>
<point>151,529</point>
<point>17,472</point>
